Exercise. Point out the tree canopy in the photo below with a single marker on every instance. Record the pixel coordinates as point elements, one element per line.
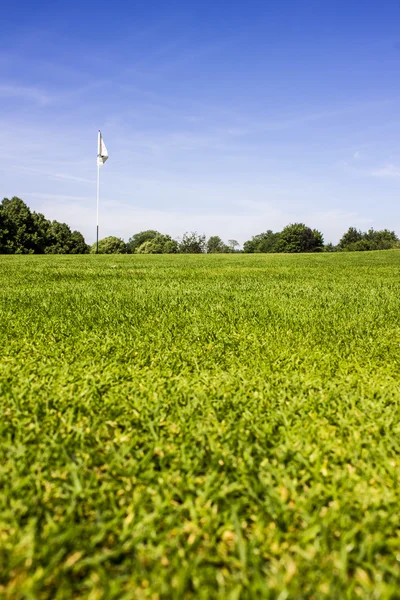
<point>263,242</point>
<point>160,244</point>
<point>233,245</point>
<point>140,238</point>
<point>192,243</point>
<point>296,237</point>
<point>110,245</point>
<point>356,240</point>
<point>215,245</point>
<point>26,232</point>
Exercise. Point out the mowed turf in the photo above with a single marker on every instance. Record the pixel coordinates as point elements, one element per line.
<point>200,426</point>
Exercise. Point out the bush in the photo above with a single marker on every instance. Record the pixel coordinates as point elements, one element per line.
<point>110,245</point>
<point>160,244</point>
<point>140,238</point>
<point>297,237</point>
<point>216,246</point>
<point>263,242</point>
<point>293,238</point>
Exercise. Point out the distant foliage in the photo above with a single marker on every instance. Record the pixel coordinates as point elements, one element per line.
<point>18,232</point>
<point>140,238</point>
<point>263,242</point>
<point>23,231</point>
<point>356,240</point>
<point>233,245</point>
<point>330,247</point>
<point>160,244</point>
<point>352,236</point>
<point>299,238</point>
<point>110,245</point>
<point>192,243</point>
<point>215,245</point>
<point>296,237</point>
<point>26,232</point>
<point>63,241</point>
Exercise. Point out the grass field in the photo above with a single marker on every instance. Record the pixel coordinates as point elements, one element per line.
<point>200,426</point>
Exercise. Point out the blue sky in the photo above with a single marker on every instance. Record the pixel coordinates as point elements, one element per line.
<point>229,118</point>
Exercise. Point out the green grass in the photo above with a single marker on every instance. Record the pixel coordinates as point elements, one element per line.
<point>200,427</point>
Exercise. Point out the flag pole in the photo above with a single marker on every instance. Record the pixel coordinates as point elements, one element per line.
<point>98,191</point>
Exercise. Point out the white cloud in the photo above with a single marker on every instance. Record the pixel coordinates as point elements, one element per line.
<point>388,170</point>
<point>55,199</point>
<point>68,177</point>
<point>26,93</point>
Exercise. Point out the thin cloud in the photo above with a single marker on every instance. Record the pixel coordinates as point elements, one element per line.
<point>47,174</point>
<point>67,177</point>
<point>55,198</point>
<point>388,170</point>
<point>26,93</point>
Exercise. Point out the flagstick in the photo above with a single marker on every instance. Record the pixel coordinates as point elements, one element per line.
<point>98,191</point>
<point>98,188</point>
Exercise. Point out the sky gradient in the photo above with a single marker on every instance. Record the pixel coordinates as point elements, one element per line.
<point>227,118</point>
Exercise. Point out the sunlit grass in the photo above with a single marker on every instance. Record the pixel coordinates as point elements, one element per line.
<point>200,426</point>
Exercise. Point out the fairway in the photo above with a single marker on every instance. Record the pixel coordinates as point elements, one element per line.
<point>203,426</point>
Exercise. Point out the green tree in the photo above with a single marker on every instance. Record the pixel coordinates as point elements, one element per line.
<point>330,247</point>
<point>78,244</point>
<point>352,236</point>
<point>318,241</point>
<point>23,231</point>
<point>171,247</point>
<point>269,242</point>
<point>18,235</point>
<point>110,245</point>
<point>42,232</point>
<point>251,246</point>
<point>233,245</point>
<point>192,243</point>
<point>139,238</point>
<point>216,246</point>
<point>381,240</point>
<point>61,240</point>
<point>297,237</point>
<point>263,242</point>
<point>355,240</point>
<point>160,244</point>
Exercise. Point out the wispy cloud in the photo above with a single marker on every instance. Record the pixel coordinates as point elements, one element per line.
<point>388,170</point>
<point>26,93</point>
<point>67,177</point>
<point>55,198</point>
<point>44,173</point>
<point>313,116</point>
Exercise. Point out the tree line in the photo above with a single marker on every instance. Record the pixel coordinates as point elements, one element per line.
<point>298,237</point>
<point>23,231</point>
<point>154,242</point>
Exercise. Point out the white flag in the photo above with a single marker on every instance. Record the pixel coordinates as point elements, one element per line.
<point>102,153</point>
